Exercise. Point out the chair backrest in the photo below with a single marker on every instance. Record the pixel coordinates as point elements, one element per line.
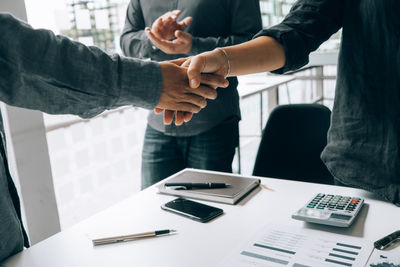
<point>292,142</point>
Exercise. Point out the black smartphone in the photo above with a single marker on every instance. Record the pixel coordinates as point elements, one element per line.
<point>193,210</point>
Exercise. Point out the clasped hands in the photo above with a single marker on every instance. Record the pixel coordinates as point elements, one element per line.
<point>187,82</point>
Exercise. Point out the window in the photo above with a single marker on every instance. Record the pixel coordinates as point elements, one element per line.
<point>95,163</point>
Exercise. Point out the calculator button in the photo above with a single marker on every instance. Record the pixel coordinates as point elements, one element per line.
<point>320,209</point>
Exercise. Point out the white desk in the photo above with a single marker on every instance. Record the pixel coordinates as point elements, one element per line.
<point>196,244</point>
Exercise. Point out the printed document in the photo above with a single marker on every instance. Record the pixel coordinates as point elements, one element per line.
<point>280,246</point>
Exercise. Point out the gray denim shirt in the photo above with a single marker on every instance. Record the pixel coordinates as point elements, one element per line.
<point>41,71</point>
<point>363,147</point>
<point>216,23</point>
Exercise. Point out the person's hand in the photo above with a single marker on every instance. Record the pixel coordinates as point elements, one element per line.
<point>165,26</point>
<point>180,116</point>
<point>181,45</point>
<point>176,93</point>
<point>215,62</point>
<point>209,62</point>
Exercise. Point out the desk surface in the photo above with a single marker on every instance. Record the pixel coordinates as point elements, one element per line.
<point>196,244</point>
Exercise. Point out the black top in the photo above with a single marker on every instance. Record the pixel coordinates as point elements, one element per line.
<point>364,138</point>
<point>216,23</point>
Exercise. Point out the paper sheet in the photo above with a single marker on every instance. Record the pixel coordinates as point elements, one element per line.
<point>281,246</point>
<point>385,258</point>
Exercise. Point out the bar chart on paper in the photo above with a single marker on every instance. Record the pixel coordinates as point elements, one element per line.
<point>278,246</point>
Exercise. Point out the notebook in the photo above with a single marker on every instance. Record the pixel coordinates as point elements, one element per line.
<point>238,189</point>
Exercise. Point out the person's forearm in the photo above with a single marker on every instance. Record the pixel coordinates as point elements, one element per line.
<point>136,44</point>
<point>53,74</point>
<point>259,55</point>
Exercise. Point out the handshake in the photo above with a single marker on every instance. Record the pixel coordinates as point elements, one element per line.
<point>188,82</point>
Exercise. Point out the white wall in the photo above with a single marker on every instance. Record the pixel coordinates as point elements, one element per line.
<point>29,159</point>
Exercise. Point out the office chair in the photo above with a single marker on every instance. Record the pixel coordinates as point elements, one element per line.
<point>292,142</point>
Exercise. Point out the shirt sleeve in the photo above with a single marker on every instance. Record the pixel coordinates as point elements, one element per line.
<point>245,21</point>
<point>134,41</point>
<point>56,75</point>
<point>308,24</point>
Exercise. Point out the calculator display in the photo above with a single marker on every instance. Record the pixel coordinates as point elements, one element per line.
<point>340,216</point>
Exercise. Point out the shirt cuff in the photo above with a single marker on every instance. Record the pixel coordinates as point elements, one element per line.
<point>296,53</point>
<point>200,45</point>
<point>141,83</point>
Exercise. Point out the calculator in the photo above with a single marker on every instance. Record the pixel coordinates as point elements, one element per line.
<point>335,210</point>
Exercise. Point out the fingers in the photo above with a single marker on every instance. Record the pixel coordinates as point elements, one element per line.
<point>189,107</point>
<point>179,116</point>
<point>153,37</point>
<point>183,35</point>
<point>156,27</point>
<point>171,16</point>
<point>214,81</point>
<point>165,26</point>
<point>179,61</point>
<point>204,92</point>
<point>175,13</point>
<point>195,69</point>
<point>185,22</point>
<point>198,97</point>
<point>187,116</point>
<point>187,62</point>
<point>168,116</point>
<point>168,20</point>
<point>158,110</point>
<point>166,46</point>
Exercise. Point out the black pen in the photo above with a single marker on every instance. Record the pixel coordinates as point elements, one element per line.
<point>387,240</point>
<point>199,185</point>
<point>125,238</point>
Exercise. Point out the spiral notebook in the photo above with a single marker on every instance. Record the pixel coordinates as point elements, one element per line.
<point>239,186</point>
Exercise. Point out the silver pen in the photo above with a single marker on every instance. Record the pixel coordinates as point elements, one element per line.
<point>125,238</point>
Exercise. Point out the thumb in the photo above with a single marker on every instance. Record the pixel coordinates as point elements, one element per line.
<point>195,68</point>
<point>182,35</point>
<point>185,22</point>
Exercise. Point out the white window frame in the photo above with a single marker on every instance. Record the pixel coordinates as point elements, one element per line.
<point>29,159</point>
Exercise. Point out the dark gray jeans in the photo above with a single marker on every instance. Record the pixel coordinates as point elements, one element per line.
<point>164,155</point>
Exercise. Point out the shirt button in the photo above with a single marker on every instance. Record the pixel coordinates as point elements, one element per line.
<point>154,47</point>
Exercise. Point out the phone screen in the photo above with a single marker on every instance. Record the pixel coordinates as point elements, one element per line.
<point>192,209</point>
